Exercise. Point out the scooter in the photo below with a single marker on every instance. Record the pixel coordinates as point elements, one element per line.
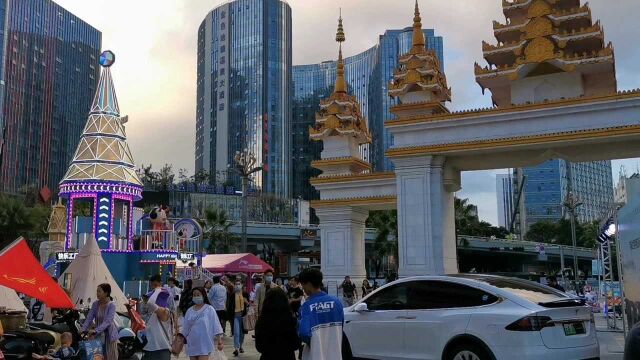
<point>128,343</point>
<point>22,344</point>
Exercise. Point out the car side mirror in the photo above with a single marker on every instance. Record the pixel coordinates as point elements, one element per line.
<point>361,307</point>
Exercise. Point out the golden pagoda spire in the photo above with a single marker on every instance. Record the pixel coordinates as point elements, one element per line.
<point>341,86</point>
<point>418,35</point>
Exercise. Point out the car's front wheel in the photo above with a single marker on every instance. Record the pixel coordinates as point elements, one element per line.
<point>468,352</point>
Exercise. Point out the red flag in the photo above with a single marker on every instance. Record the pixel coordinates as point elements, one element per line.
<point>21,271</point>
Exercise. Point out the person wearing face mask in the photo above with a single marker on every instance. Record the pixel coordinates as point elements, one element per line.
<point>267,285</point>
<point>201,327</point>
<point>240,304</point>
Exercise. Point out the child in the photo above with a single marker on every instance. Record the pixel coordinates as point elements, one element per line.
<point>65,352</point>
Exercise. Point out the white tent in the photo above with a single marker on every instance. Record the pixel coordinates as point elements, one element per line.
<point>10,300</point>
<point>87,271</point>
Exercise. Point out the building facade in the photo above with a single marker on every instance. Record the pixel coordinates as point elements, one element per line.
<point>505,199</point>
<point>367,75</point>
<point>546,187</point>
<point>625,188</point>
<point>244,90</point>
<point>49,74</point>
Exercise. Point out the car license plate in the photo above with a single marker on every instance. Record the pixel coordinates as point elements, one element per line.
<point>573,329</point>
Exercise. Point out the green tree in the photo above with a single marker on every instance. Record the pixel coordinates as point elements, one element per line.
<point>217,225</point>
<point>590,232</point>
<point>165,176</point>
<point>543,232</point>
<point>14,220</point>
<point>386,242</point>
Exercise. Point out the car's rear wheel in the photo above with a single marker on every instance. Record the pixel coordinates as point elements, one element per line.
<point>468,352</point>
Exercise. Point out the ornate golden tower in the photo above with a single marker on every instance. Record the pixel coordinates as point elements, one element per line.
<point>57,227</point>
<point>547,50</point>
<point>418,82</point>
<point>340,126</point>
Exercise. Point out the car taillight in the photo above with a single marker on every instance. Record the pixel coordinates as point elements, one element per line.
<point>530,323</point>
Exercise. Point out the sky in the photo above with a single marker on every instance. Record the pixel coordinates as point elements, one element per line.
<point>155,42</point>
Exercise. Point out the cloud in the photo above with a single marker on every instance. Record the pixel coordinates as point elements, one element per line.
<point>156,43</point>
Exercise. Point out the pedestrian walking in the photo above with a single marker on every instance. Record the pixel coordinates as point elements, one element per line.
<point>218,299</point>
<point>366,288</point>
<point>262,291</point>
<point>174,292</point>
<point>103,312</point>
<point>160,329</point>
<point>276,335</point>
<point>201,327</point>
<point>281,285</point>
<point>349,291</point>
<point>230,285</point>
<point>185,297</point>
<point>240,304</point>
<point>552,281</point>
<point>321,319</point>
<point>295,295</point>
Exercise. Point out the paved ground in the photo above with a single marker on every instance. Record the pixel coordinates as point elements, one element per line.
<point>611,344</point>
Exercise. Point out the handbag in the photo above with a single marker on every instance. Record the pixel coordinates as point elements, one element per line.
<point>90,349</point>
<point>217,355</point>
<point>249,320</point>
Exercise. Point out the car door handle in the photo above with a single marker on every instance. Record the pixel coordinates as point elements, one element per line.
<point>406,317</point>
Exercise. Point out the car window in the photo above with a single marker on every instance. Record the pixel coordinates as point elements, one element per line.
<point>391,298</point>
<point>526,289</point>
<point>425,295</point>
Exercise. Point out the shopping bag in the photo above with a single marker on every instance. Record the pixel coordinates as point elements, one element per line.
<point>249,320</point>
<point>90,349</point>
<point>177,344</point>
<point>217,355</point>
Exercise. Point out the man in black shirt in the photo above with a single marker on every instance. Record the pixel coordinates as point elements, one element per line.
<point>295,294</point>
<point>349,291</point>
<point>552,281</point>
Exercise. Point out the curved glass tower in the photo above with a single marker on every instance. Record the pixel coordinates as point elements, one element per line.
<point>244,91</point>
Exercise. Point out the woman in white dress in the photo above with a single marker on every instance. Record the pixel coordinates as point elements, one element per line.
<point>201,327</point>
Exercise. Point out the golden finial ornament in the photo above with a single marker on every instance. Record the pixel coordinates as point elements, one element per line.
<point>418,35</point>
<point>341,86</point>
<point>340,34</point>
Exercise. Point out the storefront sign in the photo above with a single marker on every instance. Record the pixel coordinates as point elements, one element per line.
<point>158,257</point>
<point>66,256</point>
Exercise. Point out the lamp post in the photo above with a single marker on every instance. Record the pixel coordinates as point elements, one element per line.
<point>571,203</point>
<point>245,166</point>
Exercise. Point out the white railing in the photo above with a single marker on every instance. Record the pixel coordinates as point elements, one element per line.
<point>195,273</point>
<point>168,240</point>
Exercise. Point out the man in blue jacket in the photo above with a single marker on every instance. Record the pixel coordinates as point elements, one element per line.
<point>321,319</point>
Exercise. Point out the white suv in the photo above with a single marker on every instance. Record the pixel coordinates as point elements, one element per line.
<point>469,317</point>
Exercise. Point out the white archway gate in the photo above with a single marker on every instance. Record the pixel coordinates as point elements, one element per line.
<point>553,100</point>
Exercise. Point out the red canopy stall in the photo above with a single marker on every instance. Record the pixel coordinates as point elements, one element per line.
<point>236,263</point>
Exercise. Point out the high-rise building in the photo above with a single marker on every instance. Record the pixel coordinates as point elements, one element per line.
<point>626,188</point>
<point>367,75</point>
<point>546,187</point>
<point>244,91</point>
<point>48,77</point>
<point>504,194</point>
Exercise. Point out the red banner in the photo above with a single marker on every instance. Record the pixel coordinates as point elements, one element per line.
<point>21,271</point>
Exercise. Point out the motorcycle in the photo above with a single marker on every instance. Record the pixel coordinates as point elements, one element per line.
<point>23,343</point>
<point>128,343</point>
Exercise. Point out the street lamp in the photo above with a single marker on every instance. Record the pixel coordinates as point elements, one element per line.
<point>571,203</point>
<point>245,166</point>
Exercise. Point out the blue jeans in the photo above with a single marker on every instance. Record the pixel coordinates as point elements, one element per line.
<point>238,331</point>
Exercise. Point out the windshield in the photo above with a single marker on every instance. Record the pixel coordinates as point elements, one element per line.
<point>529,290</point>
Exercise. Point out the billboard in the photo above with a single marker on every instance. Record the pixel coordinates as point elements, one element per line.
<point>629,237</point>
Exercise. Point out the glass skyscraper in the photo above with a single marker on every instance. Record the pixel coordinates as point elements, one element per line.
<point>48,76</point>
<point>546,187</point>
<point>244,91</point>
<point>368,75</point>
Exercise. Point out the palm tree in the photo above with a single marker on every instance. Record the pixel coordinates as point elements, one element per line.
<point>386,241</point>
<point>165,176</point>
<point>15,220</point>
<point>221,240</point>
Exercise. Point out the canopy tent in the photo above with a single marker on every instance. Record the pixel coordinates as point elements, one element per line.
<point>87,271</point>
<point>245,263</point>
<point>10,300</point>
